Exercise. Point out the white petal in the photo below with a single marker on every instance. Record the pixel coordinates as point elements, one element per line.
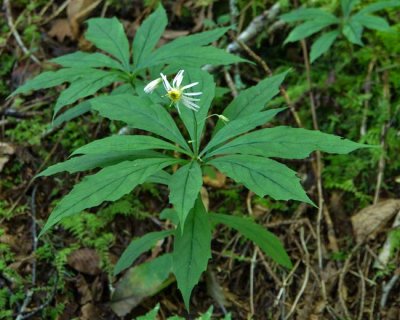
<point>192,93</point>
<point>191,99</point>
<point>178,79</point>
<point>177,107</point>
<point>152,85</point>
<point>166,84</point>
<point>190,104</point>
<point>189,85</point>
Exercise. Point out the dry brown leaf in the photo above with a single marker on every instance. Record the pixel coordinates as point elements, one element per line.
<point>89,312</point>
<point>170,35</point>
<point>84,290</point>
<point>139,283</point>
<point>78,11</point>
<point>217,182</point>
<point>61,29</point>
<point>85,260</point>
<point>9,240</point>
<point>6,150</point>
<point>370,220</point>
<point>205,197</point>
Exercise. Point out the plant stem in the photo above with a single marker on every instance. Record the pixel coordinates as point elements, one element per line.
<point>195,142</point>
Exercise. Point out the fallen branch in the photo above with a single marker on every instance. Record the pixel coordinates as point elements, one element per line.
<point>16,34</point>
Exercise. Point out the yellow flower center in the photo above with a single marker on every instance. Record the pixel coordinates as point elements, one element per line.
<point>175,95</point>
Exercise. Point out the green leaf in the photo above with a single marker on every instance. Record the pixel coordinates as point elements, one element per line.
<point>263,176</point>
<point>161,177</point>
<point>192,249</point>
<point>189,117</point>
<point>308,28</point>
<point>81,59</point>
<point>84,87</point>
<point>170,52</point>
<point>253,99</point>
<point>141,282</point>
<point>198,39</point>
<point>347,6</point>
<point>170,214</point>
<point>124,143</point>
<point>207,315</point>
<point>379,6</point>
<point>241,125</point>
<point>148,34</point>
<point>322,44</point>
<point>371,22</point>
<point>267,241</point>
<point>52,78</point>
<point>72,113</point>
<point>109,184</point>
<point>287,143</point>
<point>192,56</point>
<point>91,161</point>
<point>353,30</point>
<point>138,113</point>
<point>185,186</point>
<point>109,35</point>
<point>137,247</point>
<point>151,315</point>
<point>306,14</point>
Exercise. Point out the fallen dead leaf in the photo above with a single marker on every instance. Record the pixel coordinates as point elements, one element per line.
<point>6,150</point>
<point>205,198</point>
<point>78,11</point>
<point>89,312</point>
<point>139,283</point>
<point>61,29</point>
<point>217,180</point>
<point>85,260</point>
<point>170,35</point>
<point>370,220</point>
<point>9,240</point>
<point>84,290</point>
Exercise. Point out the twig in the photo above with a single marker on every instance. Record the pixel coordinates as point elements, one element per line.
<point>14,205</point>
<point>382,259</point>
<point>362,300</point>
<point>58,11</point>
<point>285,283</point>
<point>341,280</point>
<point>45,304</point>
<point>386,288</point>
<point>230,83</point>
<point>44,9</point>
<point>268,268</point>
<point>16,34</point>
<point>29,294</point>
<point>367,90</point>
<point>234,13</point>
<point>318,167</point>
<point>252,267</point>
<point>269,72</point>
<point>372,307</point>
<point>306,275</point>
<point>255,27</point>
<point>305,221</point>
<point>384,130</point>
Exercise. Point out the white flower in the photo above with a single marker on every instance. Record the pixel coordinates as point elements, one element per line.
<point>152,85</point>
<point>176,93</point>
